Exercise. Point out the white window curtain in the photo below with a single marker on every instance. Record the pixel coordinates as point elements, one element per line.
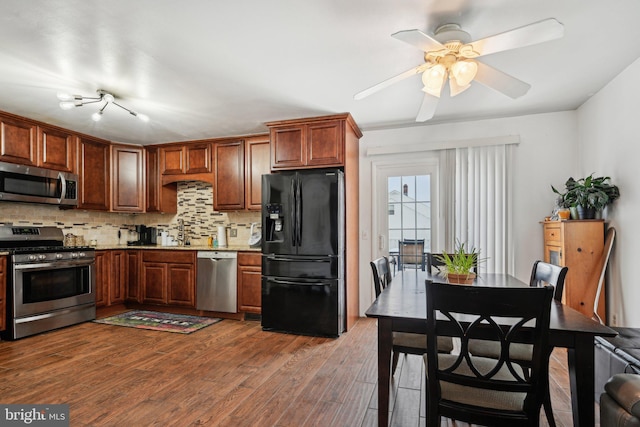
<point>482,205</point>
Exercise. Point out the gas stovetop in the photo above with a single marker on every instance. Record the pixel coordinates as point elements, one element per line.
<point>35,240</point>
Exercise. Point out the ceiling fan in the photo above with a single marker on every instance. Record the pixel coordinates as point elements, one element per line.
<point>449,54</point>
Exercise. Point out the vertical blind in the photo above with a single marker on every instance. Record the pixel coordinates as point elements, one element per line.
<point>483,217</point>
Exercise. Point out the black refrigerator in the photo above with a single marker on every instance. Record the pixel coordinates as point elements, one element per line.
<point>303,220</point>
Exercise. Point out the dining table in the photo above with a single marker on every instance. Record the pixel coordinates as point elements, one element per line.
<point>402,307</point>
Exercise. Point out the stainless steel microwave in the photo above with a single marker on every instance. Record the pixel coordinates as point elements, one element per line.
<point>19,183</point>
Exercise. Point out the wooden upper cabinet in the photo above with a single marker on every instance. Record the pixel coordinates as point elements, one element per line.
<point>325,143</point>
<point>257,163</point>
<point>228,182</point>
<point>288,149</point>
<point>159,198</point>
<point>310,143</point>
<point>127,178</point>
<point>94,160</point>
<point>172,160</point>
<point>18,141</point>
<point>192,158</point>
<point>56,149</point>
<point>198,158</point>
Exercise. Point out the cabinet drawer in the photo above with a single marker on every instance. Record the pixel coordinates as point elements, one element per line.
<point>552,234</point>
<point>174,257</point>
<point>250,259</point>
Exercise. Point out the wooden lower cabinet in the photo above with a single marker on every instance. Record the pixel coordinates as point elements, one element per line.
<point>102,273</point>
<point>111,277</point>
<point>168,277</point>
<point>250,282</point>
<point>3,293</point>
<point>118,279</point>
<point>132,285</point>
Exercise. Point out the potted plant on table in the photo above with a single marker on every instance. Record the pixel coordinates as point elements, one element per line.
<point>459,266</point>
<point>590,195</point>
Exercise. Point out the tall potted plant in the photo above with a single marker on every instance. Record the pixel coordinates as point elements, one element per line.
<point>590,195</point>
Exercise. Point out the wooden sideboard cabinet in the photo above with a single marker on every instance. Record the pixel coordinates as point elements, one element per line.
<point>577,244</point>
<point>250,282</point>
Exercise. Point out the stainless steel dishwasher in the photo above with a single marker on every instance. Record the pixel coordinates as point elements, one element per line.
<point>217,281</point>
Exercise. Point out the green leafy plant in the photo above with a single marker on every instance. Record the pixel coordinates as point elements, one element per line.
<point>461,261</point>
<point>590,192</point>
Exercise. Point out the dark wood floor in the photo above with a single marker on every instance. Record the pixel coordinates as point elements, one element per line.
<point>229,374</point>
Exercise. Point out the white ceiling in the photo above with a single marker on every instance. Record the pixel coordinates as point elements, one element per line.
<point>203,68</point>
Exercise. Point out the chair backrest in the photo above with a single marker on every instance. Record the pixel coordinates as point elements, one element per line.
<point>481,390</point>
<point>381,274</point>
<point>545,273</point>
<point>435,260</point>
<point>411,252</point>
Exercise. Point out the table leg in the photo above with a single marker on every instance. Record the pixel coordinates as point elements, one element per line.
<point>385,345</point>
<point>581,365</point>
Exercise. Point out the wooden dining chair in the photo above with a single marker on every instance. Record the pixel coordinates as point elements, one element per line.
<point>403,342</point>
<point>411,254</point>
<point>542,274</point>
<point>480,390</point>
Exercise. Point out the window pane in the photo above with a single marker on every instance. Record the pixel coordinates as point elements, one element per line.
<point>423,188</point>
<point>409,210</point>
<point>408,188</point>
<point>408,215</point>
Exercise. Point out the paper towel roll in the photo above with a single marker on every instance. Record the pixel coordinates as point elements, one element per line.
<point>222,236</point>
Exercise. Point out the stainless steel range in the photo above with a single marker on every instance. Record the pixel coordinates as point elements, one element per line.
<point>48,285</point>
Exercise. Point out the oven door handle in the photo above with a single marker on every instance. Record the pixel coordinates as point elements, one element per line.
<point>53,265</point>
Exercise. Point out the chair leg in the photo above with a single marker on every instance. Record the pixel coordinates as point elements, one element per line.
<point>546,403</point>
<point>394,364</point>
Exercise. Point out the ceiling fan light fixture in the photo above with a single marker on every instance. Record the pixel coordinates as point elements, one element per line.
<point>433,79</point>
<point>455,88</point>
<point>464,71</point>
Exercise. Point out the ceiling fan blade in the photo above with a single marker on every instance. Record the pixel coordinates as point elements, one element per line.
<point>502,82</point>
<point>428,108</point>
<point>373,89</point>
<point>418,39</point>
<point>538,32</point>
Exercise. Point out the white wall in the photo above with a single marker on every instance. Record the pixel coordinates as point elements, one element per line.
<point>546,155</point>
<point>609,134</point>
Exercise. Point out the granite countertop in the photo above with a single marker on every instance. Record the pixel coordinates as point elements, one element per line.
<point>240,248</point>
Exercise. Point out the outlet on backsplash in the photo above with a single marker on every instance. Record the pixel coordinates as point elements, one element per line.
<point>233,232</point>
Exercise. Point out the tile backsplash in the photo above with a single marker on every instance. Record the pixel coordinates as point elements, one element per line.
<point>195,208</point>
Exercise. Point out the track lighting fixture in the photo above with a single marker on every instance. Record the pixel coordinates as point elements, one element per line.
<point>68,102</point>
